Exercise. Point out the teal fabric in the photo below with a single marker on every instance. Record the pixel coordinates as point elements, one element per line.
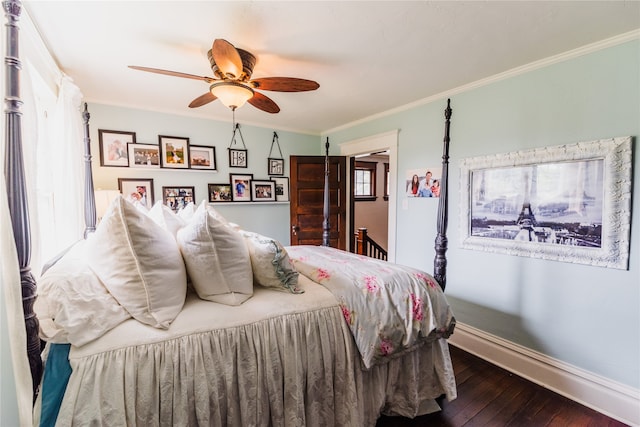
<point>54,384</point>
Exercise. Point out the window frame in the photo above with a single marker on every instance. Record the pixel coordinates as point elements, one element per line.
<point>372,168</point>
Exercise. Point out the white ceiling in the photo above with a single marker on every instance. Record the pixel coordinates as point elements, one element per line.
<point>368,56</point>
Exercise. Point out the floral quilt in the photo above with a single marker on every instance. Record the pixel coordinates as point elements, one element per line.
<point>389,308</point>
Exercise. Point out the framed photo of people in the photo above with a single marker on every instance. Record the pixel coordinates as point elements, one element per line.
<point>137,190</point>
<point>144,155</point>
<point>113,147</point>
<point>240,187</point>
<point>263,190</point>
<point>220,193</point>
<point>174,152</point>
<point>178,197</point>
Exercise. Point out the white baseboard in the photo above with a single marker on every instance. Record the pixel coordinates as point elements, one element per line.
<point>613,399</point>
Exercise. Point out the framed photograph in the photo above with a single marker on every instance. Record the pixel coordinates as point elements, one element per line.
<point>178,197</point>
<point>568,203</point>
<point>263,191</point>
<point>240,187</point>
<point>282,188</point>
<point>202,157</point>
<point>220,193</point>
<point>137,190</point>
<point>113,147</point>
<point>238,158</point>
<point>144,155</point>
<point>424,182</point>
<point>275,166</point>
<point>174,152</point>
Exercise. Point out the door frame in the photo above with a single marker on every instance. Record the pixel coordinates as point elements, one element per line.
<point>379,142</point>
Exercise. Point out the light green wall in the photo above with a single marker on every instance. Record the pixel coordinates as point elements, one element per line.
<point>585,316</point>
<point>271,219</point>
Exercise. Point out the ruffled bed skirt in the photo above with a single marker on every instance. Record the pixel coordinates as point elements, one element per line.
<point>298,369</point>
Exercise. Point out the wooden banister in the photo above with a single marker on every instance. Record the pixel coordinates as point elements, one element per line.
<point>365,245</point>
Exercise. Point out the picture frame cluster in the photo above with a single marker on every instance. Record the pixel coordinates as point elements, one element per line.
<point>120,149</point>
<point>244,188</point>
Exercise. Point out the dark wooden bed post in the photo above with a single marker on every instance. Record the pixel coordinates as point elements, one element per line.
<point>440,261</point>
<point>16,187</point>
<point>326,225</point>
<point>89,195</point>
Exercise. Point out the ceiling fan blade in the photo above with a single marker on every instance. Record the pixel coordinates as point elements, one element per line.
<point>285,84</point>
<point>263,103</point>
<point>203,99</point>
<point>227,58</point>
<point>173,73</point>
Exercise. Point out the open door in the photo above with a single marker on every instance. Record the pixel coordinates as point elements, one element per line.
<point>307,200</point>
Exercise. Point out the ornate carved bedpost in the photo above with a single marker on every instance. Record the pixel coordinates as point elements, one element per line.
<point>326,224</point>
<point>440,261</point>
<point>16,187</point>
<point>89,194</point>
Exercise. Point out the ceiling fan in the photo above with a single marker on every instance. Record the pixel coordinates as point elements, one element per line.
<point>232,83</point>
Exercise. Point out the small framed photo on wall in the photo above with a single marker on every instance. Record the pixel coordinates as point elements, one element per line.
<point>238,158</point>
<point>137,190</point>
<point>174,152</point>
<point>281,188</point>
<point>276,166</point>
<point>144,155</point>
<point>220,193</point>
<point>202,157</point>
<point>263,191</point>
<point>113,147</point>
<point>178,197</point>
<point>241,187</point>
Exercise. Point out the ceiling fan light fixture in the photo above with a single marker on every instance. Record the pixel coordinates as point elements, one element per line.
<point>232,94</point>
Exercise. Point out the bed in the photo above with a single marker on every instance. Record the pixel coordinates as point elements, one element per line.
<point>158,318</point>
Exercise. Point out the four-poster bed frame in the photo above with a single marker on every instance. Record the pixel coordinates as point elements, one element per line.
<point>17,192</point>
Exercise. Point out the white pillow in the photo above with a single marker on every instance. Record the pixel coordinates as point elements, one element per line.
<point>216,257</point>
<point>270,262</point>
<point>140,264</point>
<point>166,218</point>
<point>186,212</point>
<point>73,306</point>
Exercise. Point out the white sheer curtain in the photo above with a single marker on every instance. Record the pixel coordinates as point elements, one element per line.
<point>15,374</point>
<point>53,144</point>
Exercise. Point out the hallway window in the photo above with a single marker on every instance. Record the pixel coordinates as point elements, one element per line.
<point>365,181</point>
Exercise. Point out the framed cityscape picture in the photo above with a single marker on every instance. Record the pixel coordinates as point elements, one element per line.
<point>569,203</point>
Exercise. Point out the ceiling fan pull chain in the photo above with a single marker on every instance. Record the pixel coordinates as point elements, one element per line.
<point>277,142</point>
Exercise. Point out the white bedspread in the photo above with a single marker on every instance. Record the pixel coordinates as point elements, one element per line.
<point>279,359</point>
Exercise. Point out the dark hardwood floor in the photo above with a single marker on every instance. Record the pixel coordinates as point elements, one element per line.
<point>491,396</point>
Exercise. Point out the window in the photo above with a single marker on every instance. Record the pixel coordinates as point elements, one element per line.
<point>365,181</point>
<point>386,181</point>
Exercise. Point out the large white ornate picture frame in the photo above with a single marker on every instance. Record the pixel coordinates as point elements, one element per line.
<point>568,203</point>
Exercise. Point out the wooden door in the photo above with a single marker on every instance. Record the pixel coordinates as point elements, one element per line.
<point>307,200</point>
